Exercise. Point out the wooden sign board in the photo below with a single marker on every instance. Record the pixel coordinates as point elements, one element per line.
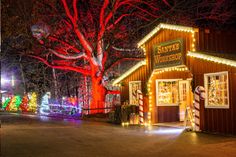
<point>168,54</point>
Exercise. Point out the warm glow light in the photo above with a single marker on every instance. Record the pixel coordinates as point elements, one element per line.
<point>165,26</point>
<point>212,58</point>
<point>127,73</point>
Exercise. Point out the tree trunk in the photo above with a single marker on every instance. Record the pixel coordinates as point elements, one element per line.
<point>98,96</point>
<point>55,83</point>
<point>23,78</point>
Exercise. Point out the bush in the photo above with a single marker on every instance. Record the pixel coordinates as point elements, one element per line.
<point>122,113</point>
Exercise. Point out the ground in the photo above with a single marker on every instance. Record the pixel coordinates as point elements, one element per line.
<point>32,136</point>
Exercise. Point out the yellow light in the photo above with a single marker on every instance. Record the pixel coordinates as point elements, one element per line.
<point>212,58</point>
<point>131,70</point>
<point>165,26</point>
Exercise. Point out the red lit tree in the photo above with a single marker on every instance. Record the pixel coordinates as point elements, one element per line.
<point>86,36</point>
<point>80,35</point>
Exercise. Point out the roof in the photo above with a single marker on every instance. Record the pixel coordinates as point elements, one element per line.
<point>214,57</point>
<point>165,26</point>
<point>127,73</point>
<point>227,59</point>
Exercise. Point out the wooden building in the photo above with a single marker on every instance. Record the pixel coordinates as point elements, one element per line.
<point>178,59</point>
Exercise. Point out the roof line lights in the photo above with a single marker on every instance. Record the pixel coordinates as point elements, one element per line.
<point>165,26</point>
<point>212,58</point>
<point>127,73</point>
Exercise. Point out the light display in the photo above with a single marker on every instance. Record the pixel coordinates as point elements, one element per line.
<point>212,58</point>
<point>44,108</point>
<point>15,103</point>
<point>6,104</point>
<point>12,104</point>
<point>32,107</point>
<point>24,104</point>
<point>67,107</point>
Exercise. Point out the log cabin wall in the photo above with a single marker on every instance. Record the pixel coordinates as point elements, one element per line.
<point>140,74</point>
<point>215,119</point>
<point>222,42</point>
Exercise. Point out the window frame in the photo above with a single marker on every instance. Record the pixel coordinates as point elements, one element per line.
<point>157,91</point>
<point>206,77</point>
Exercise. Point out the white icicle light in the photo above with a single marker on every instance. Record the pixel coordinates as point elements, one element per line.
<point>165,26</point>
<point>212,58</point>
<point>127,73</point>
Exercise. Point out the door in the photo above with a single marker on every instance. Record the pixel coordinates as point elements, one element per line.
<point>184,98</point>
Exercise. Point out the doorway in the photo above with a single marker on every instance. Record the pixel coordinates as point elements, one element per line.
<point>184,98</point>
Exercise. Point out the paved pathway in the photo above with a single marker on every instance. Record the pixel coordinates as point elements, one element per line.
<point>29,136</point>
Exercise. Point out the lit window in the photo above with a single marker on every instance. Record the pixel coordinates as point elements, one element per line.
<point>217,90</point>
<point>134,86</point>
<point>167,92</point>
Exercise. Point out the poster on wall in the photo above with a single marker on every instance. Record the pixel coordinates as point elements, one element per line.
<point>134,86</point>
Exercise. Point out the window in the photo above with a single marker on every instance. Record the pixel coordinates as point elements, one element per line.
<point>217,90</point>
<point>167,92</point>
<point>134,86</point>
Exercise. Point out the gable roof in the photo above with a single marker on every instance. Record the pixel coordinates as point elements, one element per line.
<point>127,73</point>
<point>165,26</point>
<point>213,57</point>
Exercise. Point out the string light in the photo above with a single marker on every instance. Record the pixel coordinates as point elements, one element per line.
<point>125,123</point>
<point>127,73</point>
<point>212,58</point>
<point>144,49</point>
<point>166,26</point>
<point>150,98</point>
<point>176,68</point>
<point>172,69</point>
